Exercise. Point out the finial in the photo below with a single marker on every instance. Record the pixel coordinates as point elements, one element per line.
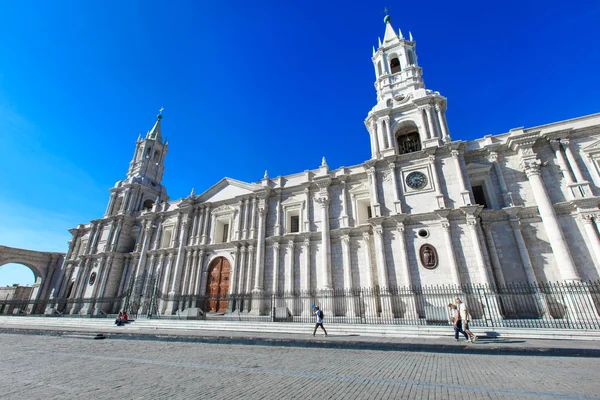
<point>400,34</point>
<point>139,137</point>
<point>159,116</point>
<point>193,192</point>
<point>373,51</point>
<point>387,19</point>
<point>323,162</point>
<point>266,174</point>
<point>410,36</point>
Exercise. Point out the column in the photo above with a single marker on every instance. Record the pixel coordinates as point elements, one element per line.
<point>562,162</point>
<point>372,177</point>
<point>441,204</point>
<point>367,244</point>
<point>506,195</point>
<point>275,287</point>
<point>344,222</point>
<point>440,110</point>
<point>253,219</point>
<point>176,281</point>
<point>260,249</point>
<point>205,229</point>
<point>393,177</point>
<point>464,192</point>
<point>592,235</point>
<point>348,285</point>
<point>305,278</point>
<point>113,195</point>
<point>106,267</point>
<point>187,273</point>
<point>388,132</point>
<point>165,285</point>
<point>473,234</point>
<point>325,243</point>
<point>238,222</point>
<point>424,122</point>
<point>241,277</point>
<point>277,227</point>
<point>198,235</point>
<point>115,240</point>
<point>147,233</point>
<point>384,284</point>
<point>381,135</point>
<point>432,133</point>
<point>374,140</point>
<point>250,265</point>
<point>289,270</point>
<point>195,213</point>
<point>411,306</point>
<point>200,273</point>
<point>306,217</point>
<point>450,249</point>
<point>548,214</point>
<point>244,216</point>
<point>493,251</point>
<point>573,161</point>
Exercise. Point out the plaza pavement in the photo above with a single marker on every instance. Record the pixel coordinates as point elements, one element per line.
<point>74,366</point>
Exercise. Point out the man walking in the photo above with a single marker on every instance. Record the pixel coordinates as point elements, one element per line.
<point>319,315</point>
<point>465,317</point>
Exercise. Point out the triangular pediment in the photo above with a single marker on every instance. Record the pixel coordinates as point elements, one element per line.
<point>362,187</point>
<point>227,188</point>
<point>474,168</point>
<point>593,148</point>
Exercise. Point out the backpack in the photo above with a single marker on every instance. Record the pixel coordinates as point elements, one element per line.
<point>322,315</point>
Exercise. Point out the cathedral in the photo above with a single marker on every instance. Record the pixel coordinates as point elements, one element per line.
<point>424,210</point>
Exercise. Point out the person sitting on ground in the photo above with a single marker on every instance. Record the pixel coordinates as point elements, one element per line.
<point>456,322</point>
<point>119,321</point>
<point>125,317</point>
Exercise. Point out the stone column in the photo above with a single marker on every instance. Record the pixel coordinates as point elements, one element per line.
<point>388,132</point>
<point>325,242</point>
<point>372,177</point>
<point>562,163</point>
<point>375,153</point>
<point>289,273</point>
<point>347,262</point>
<point>277,227</point>
<point>572,161</point>
<point>305,279</point>
<point>244,217</point>
<point>369,301</point>
<point>193,278</point>
<point>176,281</point>
<point>253,219</point>
<point>432,133</point>
<point>344,221</point>
<point>441,204</point>
<point>474,236</point>
<point>384,284</point>
<point>493,251</point>
<point>591,234</point>
<point>450,252</point>
<point>548,214</point>
<point>259,275</point>
<point>441,111</point>
<point>275,287</point>
<point>306,209</point>
<point>147,233</point>
<point>111,202</point>
<point>165,285</point>
<point>506,195</point>
<point>200,275</point>
<point>381,135</point>
<point>394,178</point>
<point>410,301</point>
<point>250,265</point>
<point>464,192</point>
<point>106,267</point>
<point>206,220</point>
<point>426,128</point>
<point>241,286</point>
<point>116,236</point>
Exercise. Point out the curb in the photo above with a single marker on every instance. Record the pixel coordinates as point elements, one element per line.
<point>322,343</point>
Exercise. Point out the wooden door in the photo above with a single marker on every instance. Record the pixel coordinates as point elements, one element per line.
<point>218,285</point>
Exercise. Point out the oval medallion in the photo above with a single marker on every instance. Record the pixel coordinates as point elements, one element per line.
<point>428,256</point>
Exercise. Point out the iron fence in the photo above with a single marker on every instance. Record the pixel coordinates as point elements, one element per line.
<point>543,305</point>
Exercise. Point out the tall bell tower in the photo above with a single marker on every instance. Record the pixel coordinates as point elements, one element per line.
<point>407,117</point>
<point>142,189</point>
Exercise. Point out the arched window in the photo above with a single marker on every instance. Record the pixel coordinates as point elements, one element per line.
<point>411,57</point>
<point>156,155</point>
<point>408,138</point>
<point>139,154</point>
<point>148,150</point>
<point>148,204</point>
<point>395,65</point>
<point>117,205</point>
<point>379,72</point>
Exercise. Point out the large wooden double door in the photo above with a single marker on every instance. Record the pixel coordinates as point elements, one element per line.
<point>218,285</point>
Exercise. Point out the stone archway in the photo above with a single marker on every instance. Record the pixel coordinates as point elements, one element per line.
<point>217,290</point>
<point>43,265</point>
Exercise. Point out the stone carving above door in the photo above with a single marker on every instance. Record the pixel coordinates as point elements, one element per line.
<point>428,256</point>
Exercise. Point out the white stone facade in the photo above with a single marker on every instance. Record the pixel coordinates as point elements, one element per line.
<point>522,206</point>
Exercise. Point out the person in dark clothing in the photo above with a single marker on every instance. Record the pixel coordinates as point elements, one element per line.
<point>319,315</point>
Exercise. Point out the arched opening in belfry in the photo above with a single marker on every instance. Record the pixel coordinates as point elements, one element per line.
<point>395,65</point>
<point>411,57</point>
<point>148,204</point>
<point>407,137</point>
<point>16,288</point>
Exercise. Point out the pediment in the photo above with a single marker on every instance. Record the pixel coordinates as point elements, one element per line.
<point>474,168</point>
<point>292,200</point>
<point>593,148</point>
<point>362,187</point>
<point>226,189</point>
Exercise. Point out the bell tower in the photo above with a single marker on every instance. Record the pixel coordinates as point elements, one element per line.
<point>142,189</point>
<point>407,117</point>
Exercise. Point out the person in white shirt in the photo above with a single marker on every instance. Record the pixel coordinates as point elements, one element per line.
<point>456,322</point>
<point>319,315</point>
<point>465,317</point>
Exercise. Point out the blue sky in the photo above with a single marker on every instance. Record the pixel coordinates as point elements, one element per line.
<point>249,86</point>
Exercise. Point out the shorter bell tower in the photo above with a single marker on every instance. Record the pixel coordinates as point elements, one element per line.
<point>142,189</point>
<point>407,117</point>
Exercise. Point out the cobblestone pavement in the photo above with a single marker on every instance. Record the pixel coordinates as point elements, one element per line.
<point>69,367</point>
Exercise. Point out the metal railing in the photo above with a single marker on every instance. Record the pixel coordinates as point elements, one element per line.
<point>543,305</point>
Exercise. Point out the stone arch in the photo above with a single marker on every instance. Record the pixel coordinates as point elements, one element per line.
<point>407,136</point>
<point>43,265</point>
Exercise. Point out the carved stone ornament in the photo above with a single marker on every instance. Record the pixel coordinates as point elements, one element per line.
<point>428,256</point>
<point>92,278</point>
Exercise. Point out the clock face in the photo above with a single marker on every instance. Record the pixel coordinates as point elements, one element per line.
<point>416,180</point>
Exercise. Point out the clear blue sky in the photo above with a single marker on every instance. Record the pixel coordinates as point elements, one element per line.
<point>249,86</point>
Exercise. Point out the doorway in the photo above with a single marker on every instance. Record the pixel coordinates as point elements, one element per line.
<point>218,285</point>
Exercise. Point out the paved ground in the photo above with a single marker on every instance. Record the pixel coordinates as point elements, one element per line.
<point>75,366</point>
